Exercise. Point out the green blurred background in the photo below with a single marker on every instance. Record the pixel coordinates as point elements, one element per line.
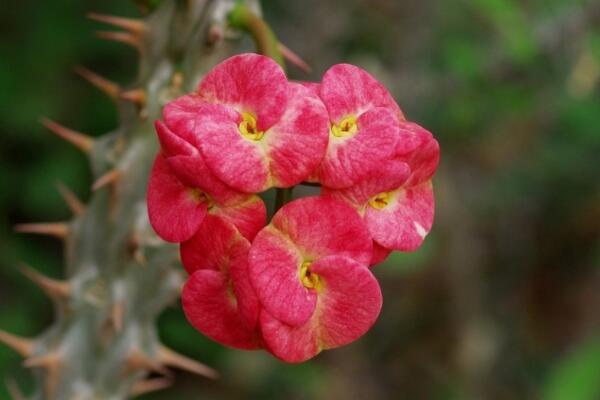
<point>503,299</point>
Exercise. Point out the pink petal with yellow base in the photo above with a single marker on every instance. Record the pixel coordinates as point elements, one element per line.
<point>405,220</point>
<point>302,231</point>
<point>347,89</point>
<point>210,308</point>
<point>218,246</point>
<point>239,162</point>
<point>357,146</point>
<point>250,83</point>
<point>348,303</point>
<point>175,210</point>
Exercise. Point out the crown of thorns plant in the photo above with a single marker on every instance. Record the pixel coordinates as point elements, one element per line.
<point>301,283</point>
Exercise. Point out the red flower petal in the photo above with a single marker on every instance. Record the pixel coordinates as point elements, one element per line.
<point>297,143</point>
<point>322,227</point>
<point>209,307</point>
<point>170,143</point>
<point>181,116</point>
<point>274,272</point>
<point>380,253</point>
<point>424,158</point>
<point>390,176</point>
<point>218,246</point>
<point>406,220</point>
<point>248,215</point>
<point>237,161</point>
<point>350,159</point>
<point>251,83</point>
<point>347,307</point>
<point>347,89</point>
<point>175,214</point>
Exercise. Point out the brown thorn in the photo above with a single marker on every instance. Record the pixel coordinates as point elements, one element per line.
<point>121,37</point>
<point>56,229</point>
<point>19,344</point>
<point>75,205</point>
<point>108,87</point>
<point>136,96</point>
<point>80,140</point>
<point>117,313</point>
<point>149,385</point>
<point>168,357</point>
<point>136,360</point>
<point>53,287</point>
<point>135,26</point>
<point>52,364</point>
<point>293,58</point>
<point>110,177</point>
<point>13,389</point>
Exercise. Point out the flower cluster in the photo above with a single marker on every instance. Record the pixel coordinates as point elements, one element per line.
<point>302,283</point>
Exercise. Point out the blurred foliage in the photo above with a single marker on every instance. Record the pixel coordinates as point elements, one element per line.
<point>502,300</point>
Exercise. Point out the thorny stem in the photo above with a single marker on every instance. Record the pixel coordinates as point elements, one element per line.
<point>243,18</point>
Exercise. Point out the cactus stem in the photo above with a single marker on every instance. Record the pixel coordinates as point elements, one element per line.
<point>134,26</point>
<point>121,37</point>
<point>168,357</point>
<point>19,344</point>
<point>108,87</point>
<point>52,363</point>
<point>75,205</point>
<point>80,140</point>
<point>13,389</point>
<point>136,96</point>
<point>149,385</point>
<point>108,178</point>
<point>54,288</point>
<point>56,229</point>
<point>293,58</point>
<point>136,360</point>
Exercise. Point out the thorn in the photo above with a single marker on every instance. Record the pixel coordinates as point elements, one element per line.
<point>136,360</point>
<point>80,140</point>
<point>117,313</point>
<point>170,358</point>
<point>110,177</point>
<point>293,58</point>
<point>149,385</point>
<point>21,345</point>
<point>53,287</point>
<point>136,96</point>
<point>13,389</point>
<point>52,364</point>
<point>75,205</point>
<point>121,37</point>
<point>56,229</point>
<point>135,26</point>
<point>108,87</point>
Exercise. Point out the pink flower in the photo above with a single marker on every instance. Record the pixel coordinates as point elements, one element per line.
<point>256,130</point>
<point>363,119</point>
<point>309,271</point>
<point>396,201</point>
<point>182,191</point>
<point>218,298</point>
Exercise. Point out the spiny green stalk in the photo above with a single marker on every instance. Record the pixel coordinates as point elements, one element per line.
<point>119,275</point>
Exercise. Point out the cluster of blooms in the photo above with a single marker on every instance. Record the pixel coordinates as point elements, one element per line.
<point>302,283</point>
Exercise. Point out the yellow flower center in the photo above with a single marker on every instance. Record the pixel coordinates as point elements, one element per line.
<point>380,201</point>
<point>309,280</point>
<point>347,127</point>
<point>248,128</point>
<point>201,197</point>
